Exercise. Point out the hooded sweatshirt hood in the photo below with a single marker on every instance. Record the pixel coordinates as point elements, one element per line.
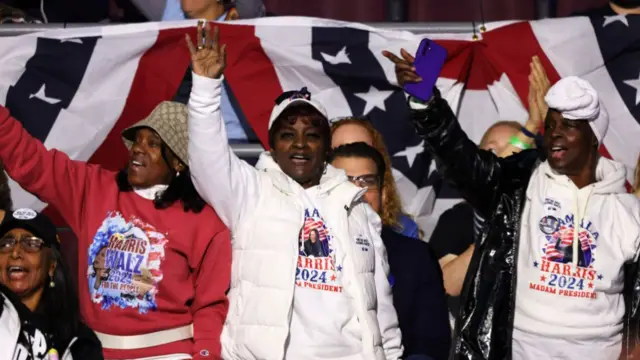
<point>610,177</point>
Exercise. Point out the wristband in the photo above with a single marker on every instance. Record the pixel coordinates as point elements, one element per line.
<point>518,143</point>
<point>418,104</point>
<point>527,133</point>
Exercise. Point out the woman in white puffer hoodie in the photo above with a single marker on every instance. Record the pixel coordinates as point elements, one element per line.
<point>286,303</point>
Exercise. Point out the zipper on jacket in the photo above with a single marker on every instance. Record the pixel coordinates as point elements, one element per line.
<point>293,283</point>
<point>360,296</point>
<point>67,353</point>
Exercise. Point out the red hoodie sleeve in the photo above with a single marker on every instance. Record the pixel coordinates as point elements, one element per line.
<point>210,305</point>
<point>48,174</point>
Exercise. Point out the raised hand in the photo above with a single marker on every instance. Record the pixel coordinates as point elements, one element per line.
<point>208,58</point>
<point>405,71</point>
<point>541,84</point>
<point>538,86</point>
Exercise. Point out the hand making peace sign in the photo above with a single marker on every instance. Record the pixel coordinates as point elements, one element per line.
<point>405,71</point>
<point>208,58</point>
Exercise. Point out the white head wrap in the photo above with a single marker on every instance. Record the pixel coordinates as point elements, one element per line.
<point>576,99</point>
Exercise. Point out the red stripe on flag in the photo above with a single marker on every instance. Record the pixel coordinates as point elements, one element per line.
<point>159,74</point>
<point>458,59</point>
<point>507,49</point>
<point>511,48</point>
<point>251,76</point>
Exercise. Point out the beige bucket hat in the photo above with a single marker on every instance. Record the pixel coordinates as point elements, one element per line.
<point>169,121</point>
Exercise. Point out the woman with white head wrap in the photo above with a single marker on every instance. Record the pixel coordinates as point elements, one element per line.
<point>575,99</point>
<point>545,281</point>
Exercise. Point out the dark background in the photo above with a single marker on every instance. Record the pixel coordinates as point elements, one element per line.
<point>426,10</point>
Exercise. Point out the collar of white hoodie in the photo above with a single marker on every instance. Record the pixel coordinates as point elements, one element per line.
<point>331,178</point>
<point>610,179</point>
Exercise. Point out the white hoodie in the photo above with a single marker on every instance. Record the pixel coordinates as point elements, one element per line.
<point>574,293</point>
<point>266,211</point>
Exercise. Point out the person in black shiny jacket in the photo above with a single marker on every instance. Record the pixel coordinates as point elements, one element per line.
<point>497,188</point>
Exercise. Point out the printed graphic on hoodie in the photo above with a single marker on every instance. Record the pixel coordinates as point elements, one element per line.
<point>560,273</point>
<point>316,268</point>
<point>31,344</point>
<point>124,264</point>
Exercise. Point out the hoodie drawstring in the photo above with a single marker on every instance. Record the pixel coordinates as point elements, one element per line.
<point>579,210</point>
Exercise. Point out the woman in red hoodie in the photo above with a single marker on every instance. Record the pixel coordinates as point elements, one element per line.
<point>154,259</point>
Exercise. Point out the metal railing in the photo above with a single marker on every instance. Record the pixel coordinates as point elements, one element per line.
<point>417,27</point>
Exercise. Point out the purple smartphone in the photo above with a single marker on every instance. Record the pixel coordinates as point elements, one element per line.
<point>430,59</point>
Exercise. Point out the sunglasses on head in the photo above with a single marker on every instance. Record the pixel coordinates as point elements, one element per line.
<point>294,94</point>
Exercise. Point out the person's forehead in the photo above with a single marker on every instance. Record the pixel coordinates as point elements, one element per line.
<point>300,121</point>
<point>556,117</point>
<point>351,133</point>
<point>503,131</point>
<point>19,231</point>
<point>497,136</point>
<point>147,132</point>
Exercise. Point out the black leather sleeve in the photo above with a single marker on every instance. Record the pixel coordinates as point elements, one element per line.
<point>631,332</point>
<point>473,172</point>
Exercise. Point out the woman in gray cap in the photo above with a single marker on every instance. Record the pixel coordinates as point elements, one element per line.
<point>154,259</point>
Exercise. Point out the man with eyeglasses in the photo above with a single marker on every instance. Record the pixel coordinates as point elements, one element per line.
<point>415,276</point>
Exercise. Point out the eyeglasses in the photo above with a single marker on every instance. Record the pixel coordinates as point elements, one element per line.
<point>371,181</point>
<point>30,244</point>
<point>294,94</point>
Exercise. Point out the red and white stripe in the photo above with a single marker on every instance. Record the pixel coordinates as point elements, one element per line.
<point>137,66</point>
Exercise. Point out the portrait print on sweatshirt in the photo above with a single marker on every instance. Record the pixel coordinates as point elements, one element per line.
<point>317,267</point>
<point>124,263</point>
<point>558,274</point>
